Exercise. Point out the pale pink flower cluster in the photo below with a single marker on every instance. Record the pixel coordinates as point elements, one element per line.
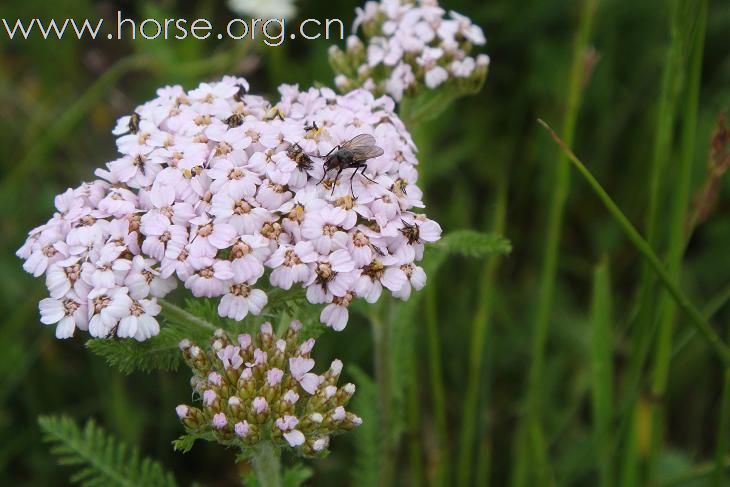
<point>213,188</point>
<point>408,44</point>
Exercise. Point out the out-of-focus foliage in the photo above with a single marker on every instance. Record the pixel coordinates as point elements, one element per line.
<point>59,101</point>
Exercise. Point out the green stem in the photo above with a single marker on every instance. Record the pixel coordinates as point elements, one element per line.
<point>480,329</point>
<point>550,257</point>
<point>646,322</point>
<point>267,464</point>
<point>695,317</point>
<point>708,311</point>
<point>437,386</point>
<point>174,311</point>
<point>602,373</point>
<point>484,465</point>
<point>415,448</point>
<point>679,213</point>
<point>720,476</point>
<point>381,338</point>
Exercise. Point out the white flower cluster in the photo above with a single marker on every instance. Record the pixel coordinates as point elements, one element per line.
<point>409,44</point>
<point>262,388</point>
<point>213,187</point>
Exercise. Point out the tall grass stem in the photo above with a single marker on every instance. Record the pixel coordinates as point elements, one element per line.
<point>548,274</point>
<point>642,246</point>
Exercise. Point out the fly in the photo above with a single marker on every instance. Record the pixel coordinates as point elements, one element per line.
<point>134,123</point>
<point>352,154</point>
<point>297,154</point>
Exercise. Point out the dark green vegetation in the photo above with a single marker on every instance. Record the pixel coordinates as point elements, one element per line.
<point>565,363</point>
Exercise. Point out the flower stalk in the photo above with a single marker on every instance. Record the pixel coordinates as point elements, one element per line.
<point>381,341</point>
<point>266,462</point>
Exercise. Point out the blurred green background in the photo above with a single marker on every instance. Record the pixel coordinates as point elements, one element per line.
<point>485,164</point>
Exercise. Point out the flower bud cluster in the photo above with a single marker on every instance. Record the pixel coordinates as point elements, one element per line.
<point>262,388</point>
<point>408,45</point>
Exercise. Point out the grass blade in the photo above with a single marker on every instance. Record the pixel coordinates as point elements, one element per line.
<point>480,330</point>
<point>720,476</point>
<point>602,370</point>
<point>692,35</point>
<point>550,257</point>
<point>695,317</point>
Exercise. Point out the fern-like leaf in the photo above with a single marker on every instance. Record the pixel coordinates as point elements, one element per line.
<point>185,443</point>
<point>160,352</point>
<point>102,460</point>
<point>196,321</point>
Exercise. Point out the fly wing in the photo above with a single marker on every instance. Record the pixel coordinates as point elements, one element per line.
<point>363,147</point>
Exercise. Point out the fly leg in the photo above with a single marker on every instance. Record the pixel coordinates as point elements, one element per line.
<point>337,176</point>
<point>326,157</point>
<point>337,147</point>
<point>352,191</point>
<point>363,167</point>
<point>323,176</point>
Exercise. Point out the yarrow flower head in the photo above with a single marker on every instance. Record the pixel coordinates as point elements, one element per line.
<point>220,190</point>
<point>263,388</point>
<point>400,47</point>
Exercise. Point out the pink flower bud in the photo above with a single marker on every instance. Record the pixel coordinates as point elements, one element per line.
<point>182,411</point>
<point>242,429</point>
<point>209,396</point>
<point>259,405</point>
<point>219,421</point>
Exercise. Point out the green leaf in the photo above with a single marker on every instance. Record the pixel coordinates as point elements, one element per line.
<point>197,321</point>
<point>102,460</point>
<point>470,243</point>
<point>160,352</point>
<point>184,444</point>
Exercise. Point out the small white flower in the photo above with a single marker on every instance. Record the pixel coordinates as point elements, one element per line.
<point>105,308</point>
<point>67,314</point>
<point>299,368</point>
<point>240,301</point>
<point>140,324</point>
